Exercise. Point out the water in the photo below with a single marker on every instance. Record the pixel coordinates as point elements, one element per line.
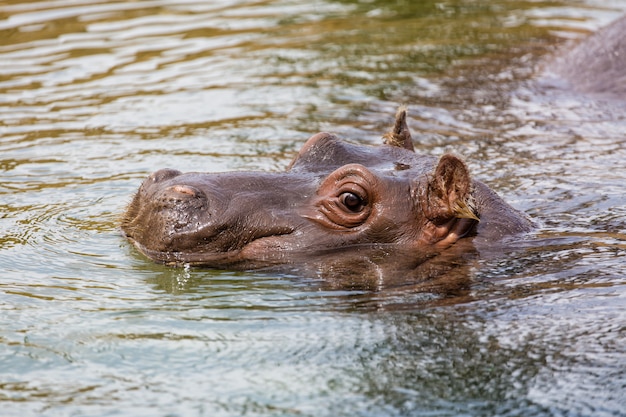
<point>96,95</point>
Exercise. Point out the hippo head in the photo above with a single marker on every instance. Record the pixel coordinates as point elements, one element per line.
<point>334,196</point>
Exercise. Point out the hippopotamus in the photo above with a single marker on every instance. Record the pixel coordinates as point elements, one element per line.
<point>334,197</point>
<point>597,64</point>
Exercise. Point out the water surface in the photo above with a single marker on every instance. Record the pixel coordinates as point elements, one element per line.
<point>96,95</point>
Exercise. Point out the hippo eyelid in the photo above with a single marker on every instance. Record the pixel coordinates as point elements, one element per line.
<point>345,198</point>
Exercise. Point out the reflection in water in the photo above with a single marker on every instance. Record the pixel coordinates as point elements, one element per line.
<point>94,95</point>
<point>374,278</point>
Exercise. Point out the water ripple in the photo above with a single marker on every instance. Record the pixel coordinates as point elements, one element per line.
<point>94,95</point>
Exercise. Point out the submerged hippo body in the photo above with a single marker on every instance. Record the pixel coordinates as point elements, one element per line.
<point>597,64</point>
<point>334,197</point>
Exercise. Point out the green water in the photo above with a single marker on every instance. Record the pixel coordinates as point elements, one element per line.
<point>96,95</point>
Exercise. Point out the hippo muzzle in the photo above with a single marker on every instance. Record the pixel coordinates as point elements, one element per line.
<point>198,219</point>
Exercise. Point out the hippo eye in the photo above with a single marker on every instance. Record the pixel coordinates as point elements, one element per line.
<point>352,201</point>
<point>346,198</point>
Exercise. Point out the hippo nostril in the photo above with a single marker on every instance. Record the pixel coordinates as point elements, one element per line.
<point>185,190</point>
<point>188,195</point>
<point>182,198</point>
<point>164,174</point>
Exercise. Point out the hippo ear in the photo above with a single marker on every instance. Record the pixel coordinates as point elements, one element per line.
<point>448,193</point>
<point>399,135</point>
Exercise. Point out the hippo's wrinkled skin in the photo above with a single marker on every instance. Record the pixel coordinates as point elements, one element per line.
<point>334,197</point>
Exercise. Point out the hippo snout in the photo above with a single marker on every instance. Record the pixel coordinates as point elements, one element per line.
<point>185,217</point>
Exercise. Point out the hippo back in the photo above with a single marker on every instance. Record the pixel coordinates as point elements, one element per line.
<point>597,65</point>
